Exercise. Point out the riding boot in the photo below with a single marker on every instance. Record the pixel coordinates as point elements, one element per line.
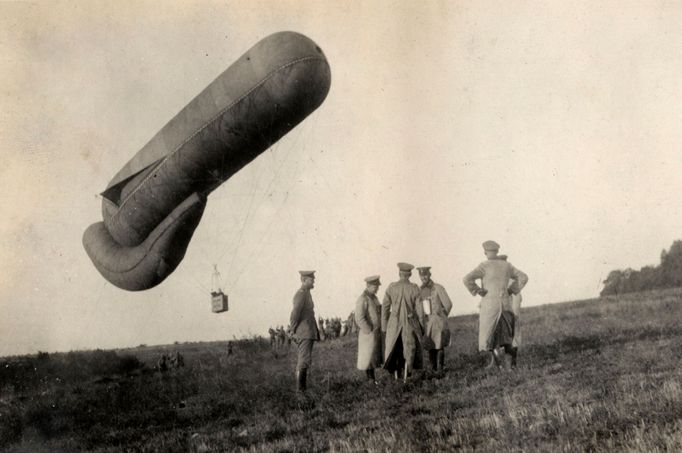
<point>433,358</point>
<point>301,383</point>
<point>499,357</point>
<point>440,358</point>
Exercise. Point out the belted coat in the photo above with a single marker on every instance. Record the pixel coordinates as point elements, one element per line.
<point>401,313</point>
<point>368,318</point>
<point>495,276</point>
<point>302,321</point>
<point>437,334</point>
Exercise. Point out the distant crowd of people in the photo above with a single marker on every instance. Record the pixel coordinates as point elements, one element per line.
<point>170,361</point>
<point>332,328</point>
<point>329,329</point>
<point>413,319</point>
<point>278,337</point>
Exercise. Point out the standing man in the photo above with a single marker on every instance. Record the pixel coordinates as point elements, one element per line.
<point>515,308</point>
<point>496,324</point>
<point>437,306</point>
<point>401,314</point>
<point>368,317</point>
<point>273,337</point>
<point>304,328</point>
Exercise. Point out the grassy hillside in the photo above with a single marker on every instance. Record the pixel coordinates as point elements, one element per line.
<point>597,375</point>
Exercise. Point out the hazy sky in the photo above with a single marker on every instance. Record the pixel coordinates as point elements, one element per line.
<point>550,127</point>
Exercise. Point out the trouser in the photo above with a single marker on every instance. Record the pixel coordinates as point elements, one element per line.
<point>504,331</point>
<point>404,361</point>
<point>305,354</point>
<point>437,359</point>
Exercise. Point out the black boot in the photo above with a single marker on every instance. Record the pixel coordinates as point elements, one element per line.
<point>441,360</point>
<point>513,353</point>
<point>370,376</point>
<point>301,376</point>
<point>433,358</point>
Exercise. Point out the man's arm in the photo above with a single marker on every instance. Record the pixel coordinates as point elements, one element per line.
<point>299,302</point>
<point>470,280</point>
<point>419,308</point>
<point>361,316</point>
<point>445,299</point>
<point>519,280</point>
<point>385,310</point>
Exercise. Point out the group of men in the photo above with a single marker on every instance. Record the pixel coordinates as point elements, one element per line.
<point>278,337</point>
<point>170,361</point>
<point>413,318</point>
<point>332,328</point>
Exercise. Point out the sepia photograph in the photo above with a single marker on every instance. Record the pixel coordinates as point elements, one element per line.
<point>382,225</point>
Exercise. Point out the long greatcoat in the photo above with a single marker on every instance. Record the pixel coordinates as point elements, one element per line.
<point>495,275</point>
<point>437,331</point>
<point>516,300</point>
<point>302,321</point>
<point>401,313</point>
<point>368,317</point>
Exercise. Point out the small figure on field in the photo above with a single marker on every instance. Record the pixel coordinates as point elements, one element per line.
<point>163,362</point>
<point>336,326</point>
<point>368,317</point>
<point>273,337</point>
<point>352,326</point>
<point>177,361</point>
<point>401,315</point>
<point>344,328</point>
<point>328,330</point>
<point>281,336</point>
<point>304,327</point>
<point>287,332</point>
<point>496,321</point>
<point>229,348</point>
<point>320,328</point>
<point>436,305</point>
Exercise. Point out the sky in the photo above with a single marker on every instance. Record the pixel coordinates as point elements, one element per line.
<point>552,128</point>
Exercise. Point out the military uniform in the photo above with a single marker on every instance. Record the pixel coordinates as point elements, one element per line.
<point>437,335</point>
<point>401,313</point>
<point>516,309</point>
<point>495,320</point>
<point>304,330</point>
<point>368,317</point>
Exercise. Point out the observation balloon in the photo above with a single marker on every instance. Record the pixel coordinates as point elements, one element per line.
<point>152,206</point>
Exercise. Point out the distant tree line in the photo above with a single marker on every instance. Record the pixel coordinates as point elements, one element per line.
<point>668,274</point>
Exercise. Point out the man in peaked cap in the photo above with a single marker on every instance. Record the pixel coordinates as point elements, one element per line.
<point>496,324</point>
<point>491,246</point>
<point>401,315</point>
<point>368,317</point>
<point>304,328</point>
<point>437,305</point>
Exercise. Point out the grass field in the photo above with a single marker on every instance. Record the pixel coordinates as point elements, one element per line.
<point>595,375</point>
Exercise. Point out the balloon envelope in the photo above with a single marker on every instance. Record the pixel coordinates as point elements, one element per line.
<point>152,206</point>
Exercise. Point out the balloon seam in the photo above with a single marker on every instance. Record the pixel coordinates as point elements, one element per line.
<point>216,116</point>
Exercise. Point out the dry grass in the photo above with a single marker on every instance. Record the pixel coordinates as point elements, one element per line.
<point>595,375</point>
